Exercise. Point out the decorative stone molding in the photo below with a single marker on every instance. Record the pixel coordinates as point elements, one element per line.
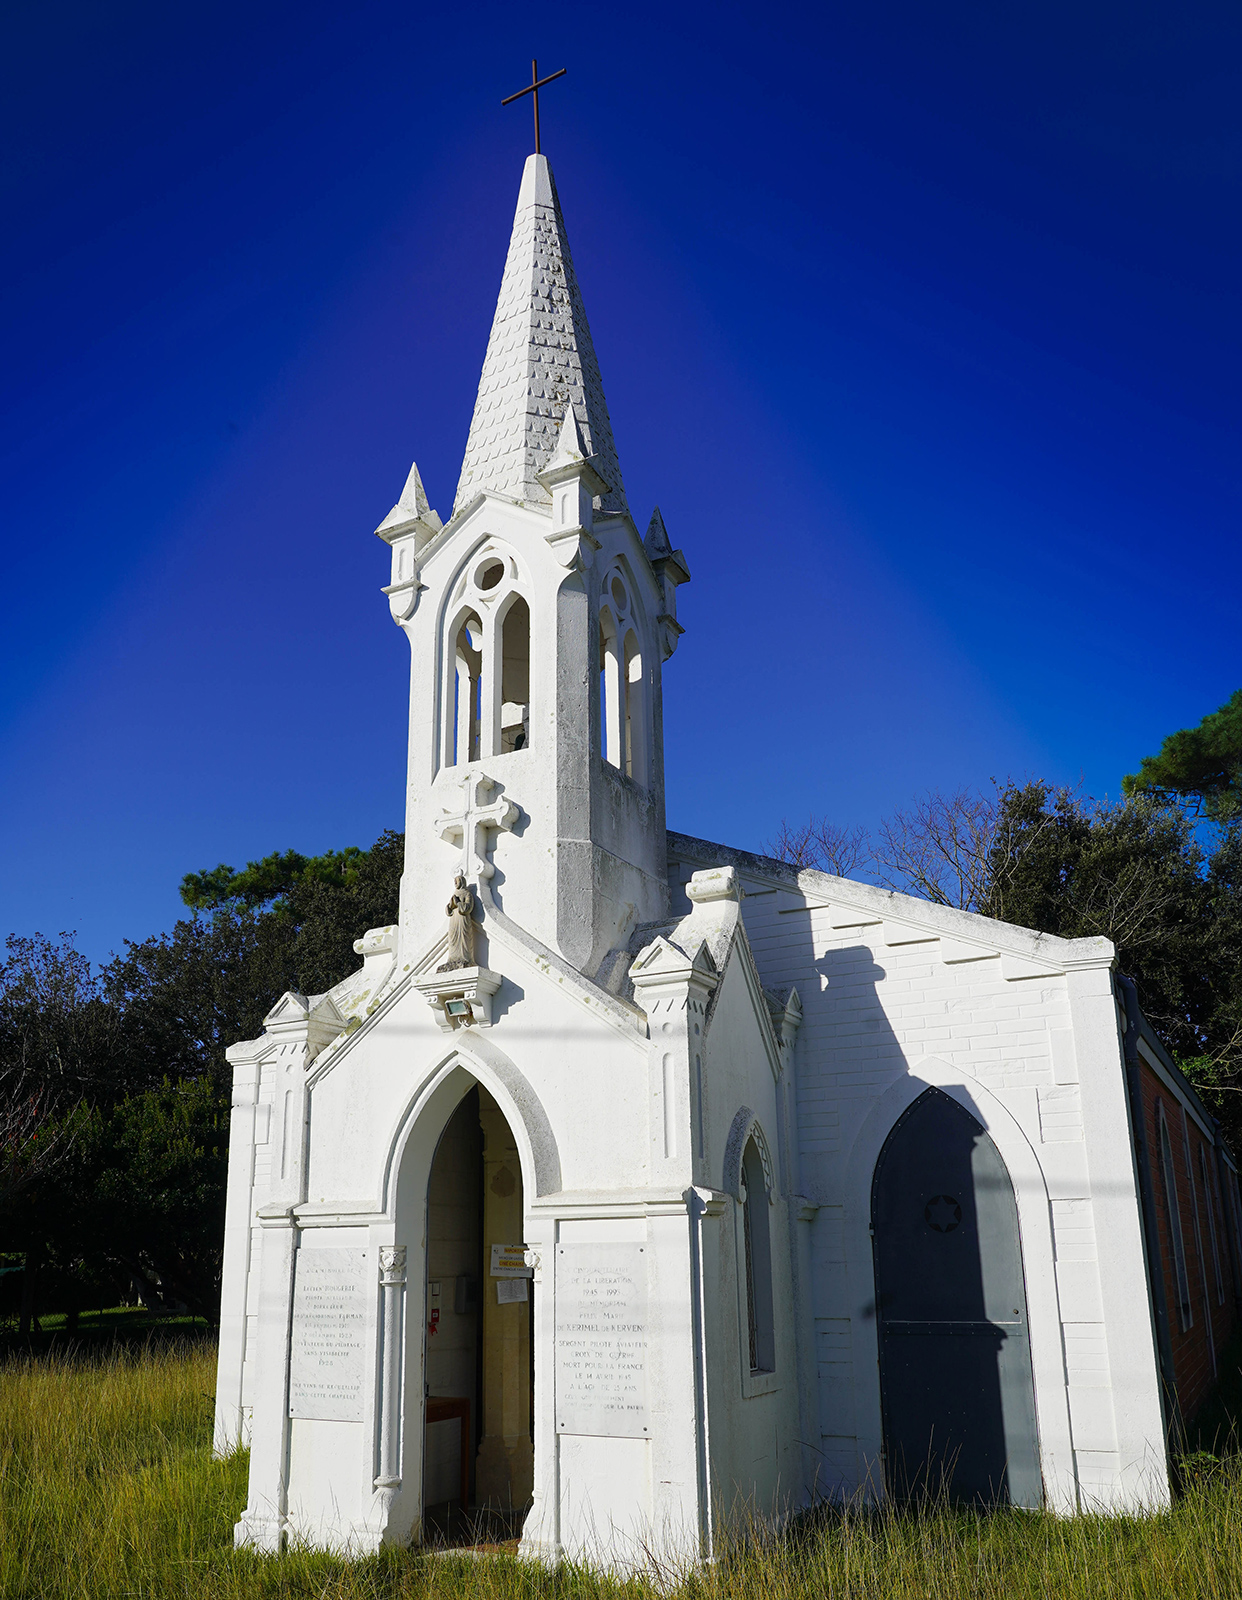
<point>392,1259</point>
<point>294,1018</point>
<point>791,1021</point>
<point>670,568</point>
<point>392,1263</point>
<point>460,999</point>
<point>716,883</point>
<point>662,965</point>
<point>746,1126</point>
<point>573,483</point>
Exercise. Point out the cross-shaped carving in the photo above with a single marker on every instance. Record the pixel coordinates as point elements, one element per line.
<point>468,823</point>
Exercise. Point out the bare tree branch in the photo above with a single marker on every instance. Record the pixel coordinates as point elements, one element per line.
<point>821,845</point>
<point>940,849</point>
<point>34,1138</point>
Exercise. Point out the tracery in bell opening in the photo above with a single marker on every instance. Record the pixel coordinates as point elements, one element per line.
<point>622,682</point>
<point>487,662</point>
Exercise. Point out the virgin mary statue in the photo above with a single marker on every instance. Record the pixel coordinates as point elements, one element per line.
<point>460,951</point>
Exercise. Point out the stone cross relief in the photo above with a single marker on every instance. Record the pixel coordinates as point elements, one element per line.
<point>468,823</point>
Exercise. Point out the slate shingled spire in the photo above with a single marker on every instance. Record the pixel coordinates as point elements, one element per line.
<point>539,358</point>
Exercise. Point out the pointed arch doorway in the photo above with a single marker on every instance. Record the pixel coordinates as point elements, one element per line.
<point>955,1360</point>
<point>478,1347</point>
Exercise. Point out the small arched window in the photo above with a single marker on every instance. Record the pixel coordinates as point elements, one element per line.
<point>623,719</point>
<point>757,1250</point>
<point>487,662</point>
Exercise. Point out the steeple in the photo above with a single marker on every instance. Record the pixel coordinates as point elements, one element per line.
<point>539,356</point>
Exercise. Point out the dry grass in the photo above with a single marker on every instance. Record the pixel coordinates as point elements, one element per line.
<point>108,1489</point>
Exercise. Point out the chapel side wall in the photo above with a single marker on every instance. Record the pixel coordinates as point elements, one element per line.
<point>755,1422</point>
<point>1194,1369</point>
<point>879,998</point>
<point>871,1009</point>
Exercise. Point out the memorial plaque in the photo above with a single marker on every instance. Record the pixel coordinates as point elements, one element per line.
<point>601,1339</point>
<point>327,1361</point>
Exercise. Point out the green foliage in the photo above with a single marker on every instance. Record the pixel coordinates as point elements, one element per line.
<point>273,878</point>
<point>1201,765</point>
<point>114,1088</point>
<point>108,1488</point>
<point>1137,873</point>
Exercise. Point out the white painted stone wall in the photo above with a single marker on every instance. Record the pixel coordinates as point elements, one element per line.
<point>898,994</point>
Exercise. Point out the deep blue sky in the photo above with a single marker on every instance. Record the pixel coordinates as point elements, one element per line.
<point>920,322</point>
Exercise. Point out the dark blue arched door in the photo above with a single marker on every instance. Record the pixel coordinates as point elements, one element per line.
<point>955,1356</point>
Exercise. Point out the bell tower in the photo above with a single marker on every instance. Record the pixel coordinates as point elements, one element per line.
<point>539,623</point>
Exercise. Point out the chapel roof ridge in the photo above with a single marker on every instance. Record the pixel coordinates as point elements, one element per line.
<point>540,360</point>
<point>948,921</point>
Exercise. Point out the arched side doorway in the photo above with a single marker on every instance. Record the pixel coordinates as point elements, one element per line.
<point>478,1368</point>
<point>955,1359</point>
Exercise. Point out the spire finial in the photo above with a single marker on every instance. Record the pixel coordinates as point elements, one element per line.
<point>532,88</point>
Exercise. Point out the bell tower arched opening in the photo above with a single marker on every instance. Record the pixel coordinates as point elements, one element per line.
<point>515,676</point>
<point>468,690</point>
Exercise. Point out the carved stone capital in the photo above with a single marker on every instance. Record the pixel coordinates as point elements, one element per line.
<point>392,1264</point>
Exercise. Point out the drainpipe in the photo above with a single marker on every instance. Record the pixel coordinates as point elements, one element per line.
<point>1147,1202</point>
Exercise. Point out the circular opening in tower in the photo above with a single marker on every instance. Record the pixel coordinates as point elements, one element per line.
<point>618,593</point>
<point>489,574</point>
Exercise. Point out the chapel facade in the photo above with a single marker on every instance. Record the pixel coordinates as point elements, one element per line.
<point>633,1179</point>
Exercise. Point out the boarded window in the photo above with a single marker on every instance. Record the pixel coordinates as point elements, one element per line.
<point>1213,1241</point>
<point>1184,1311</point>
<point>757,1244</point>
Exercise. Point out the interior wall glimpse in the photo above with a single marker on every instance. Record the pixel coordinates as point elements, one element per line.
<point>506,1464</point>
<point>515,677</point>
<point>454,1246</point>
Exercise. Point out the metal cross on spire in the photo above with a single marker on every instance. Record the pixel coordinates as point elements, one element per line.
<point>532,88</point>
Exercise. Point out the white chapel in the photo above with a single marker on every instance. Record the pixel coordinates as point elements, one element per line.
<point>633,1179</point>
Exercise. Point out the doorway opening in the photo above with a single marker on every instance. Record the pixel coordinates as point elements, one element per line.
<point>478,1455</point>
<point>955,1356</point>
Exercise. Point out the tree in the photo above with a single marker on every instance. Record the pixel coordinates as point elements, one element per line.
<point>273,878</point>
<point>1135,871</point>
<point>940,849</point>
<point>820,844</point>
<point>114,1088</point>
<point>1201,766</point>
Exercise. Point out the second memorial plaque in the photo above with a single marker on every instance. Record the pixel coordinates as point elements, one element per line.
<point>601,1339</point>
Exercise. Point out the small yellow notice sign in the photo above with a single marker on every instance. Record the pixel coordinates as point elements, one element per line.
<point>509,1261</point>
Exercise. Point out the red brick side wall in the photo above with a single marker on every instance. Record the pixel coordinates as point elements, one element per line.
<point>1193,1367</point>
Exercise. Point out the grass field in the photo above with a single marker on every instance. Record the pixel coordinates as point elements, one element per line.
<point>108,1489</point>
